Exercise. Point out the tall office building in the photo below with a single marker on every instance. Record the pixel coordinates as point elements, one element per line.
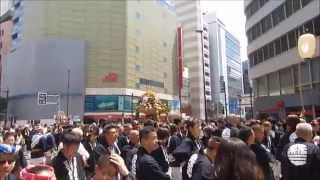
<point>195,54</point>
<point>246,98</point>
<point>226,76</point>
<point>5,6</point>
<point>114,51</point>
<point>273,29</point>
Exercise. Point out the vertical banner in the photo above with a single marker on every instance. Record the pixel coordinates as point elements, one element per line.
<point>180,58</point>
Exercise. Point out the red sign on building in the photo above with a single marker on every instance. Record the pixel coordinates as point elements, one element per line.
<point>111,77</point>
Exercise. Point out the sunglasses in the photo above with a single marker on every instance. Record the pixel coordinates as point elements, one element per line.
<point>7,161</point>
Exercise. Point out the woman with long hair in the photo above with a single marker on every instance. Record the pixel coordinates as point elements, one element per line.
<point>235,161</point>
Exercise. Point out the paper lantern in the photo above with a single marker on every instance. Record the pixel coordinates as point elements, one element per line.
<point>307,46</point>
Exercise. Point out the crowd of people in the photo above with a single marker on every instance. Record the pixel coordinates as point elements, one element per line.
<point>223,149</point>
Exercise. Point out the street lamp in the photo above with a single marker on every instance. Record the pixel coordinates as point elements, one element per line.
<point>204,80</point>
<point>307,50</point>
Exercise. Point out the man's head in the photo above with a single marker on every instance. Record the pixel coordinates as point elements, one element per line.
<point>78,131</point>
<point>134,137</point>
<point>110,133</point>
<point>7,159</point>
<point>194,128</point>
<point>71,142</point>
<point>315,126</point>
<point>177,122</point>
<point>148,138</point>
<point>304,131</point>
<point>105,169</point>
<point>163,135</point>
<point>292,122</point>
<point>9,138</point>
<point>213,145</point>
<point>267,126</point>
<point>234,121</point>
<point>127,128</point>
<point>258,132</point>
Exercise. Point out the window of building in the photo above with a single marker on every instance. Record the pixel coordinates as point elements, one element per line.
<point>255,58</point>
<point>138,15</point>
<point>295,75</point>
<point>271,49</point>
<point>278,46</point>
<point>308,27</point>
<point>205,37</point>
<point>137,67</point>
<point>300,31</point>
<point>288,6</point>
<point>296,5</point>
<point>207,83</point>
<point>137,49</point>
<point>164,59</point>
<point>164,44</point>
<point>317,26</point>
<point>205,46</point>
<point>256,32</point>
<point>138,32</point>
<point>263,2</point>
<point>278,15</point>
<point>305,2</point>
<point>260,56</point>
<point>0,45</point>
<point>292,39</point>
<point>286,81</point>
<point>305,73</point>
<point>266,24</point>
<point>206,73</point>
<point>164,75</point>
<point>262,86</point>
<point>251,60</point>
<point>207,92</point>
<point>315,68</point>
<point>266,53</point>
<point>206,56</point>
<point>274,84</point>
<point>284,43</point>
<point>206,64</point>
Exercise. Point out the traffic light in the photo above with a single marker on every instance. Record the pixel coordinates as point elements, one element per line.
<point>42,98</point>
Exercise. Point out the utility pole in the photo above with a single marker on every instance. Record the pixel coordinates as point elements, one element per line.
<point>225,98</point>
<point>7,108</point>
<point>132,106</point>
<point>68,92</point>
<point>251,106</point>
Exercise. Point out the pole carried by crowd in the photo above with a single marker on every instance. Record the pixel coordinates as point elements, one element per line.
<point>222,149</point>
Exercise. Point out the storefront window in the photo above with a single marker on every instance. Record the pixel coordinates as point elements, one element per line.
<point>110,103</point>
<point>286,81</point>
<point>274,85</point>
<point>262,86</point>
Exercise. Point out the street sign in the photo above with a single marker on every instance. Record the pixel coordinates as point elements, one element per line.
<point>42,98</point>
